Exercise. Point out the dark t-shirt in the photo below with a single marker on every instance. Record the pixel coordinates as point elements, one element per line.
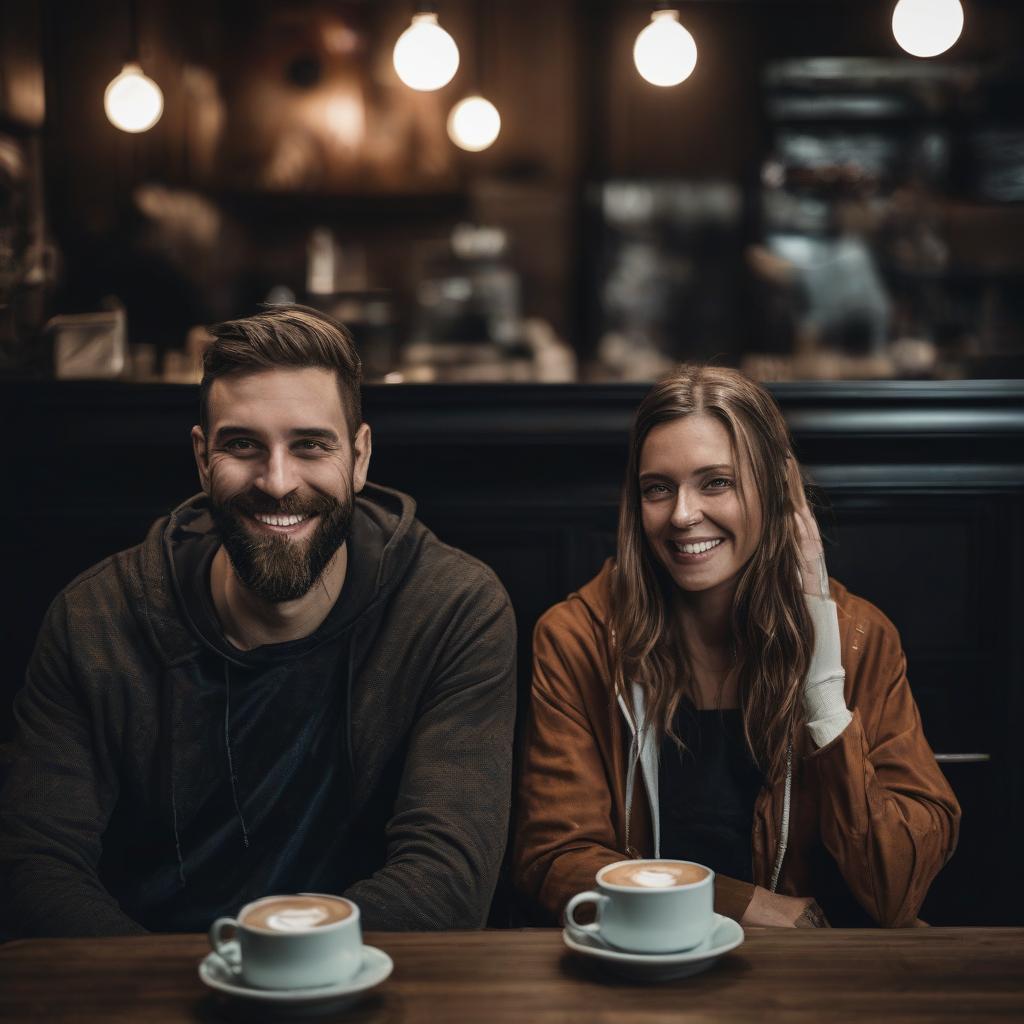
<point>273,800</point>
<point>707,792</point>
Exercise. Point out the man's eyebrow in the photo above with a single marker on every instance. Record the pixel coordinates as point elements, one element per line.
<point>232,430</point>
<point>324,433</point>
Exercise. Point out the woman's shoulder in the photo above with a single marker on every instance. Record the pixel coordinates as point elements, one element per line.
<point>589,606</point>
<point>859,611</point>
<point>869,639</point>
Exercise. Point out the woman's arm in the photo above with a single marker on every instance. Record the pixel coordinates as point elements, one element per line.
<point>888,817</point>
<point>565,833</point>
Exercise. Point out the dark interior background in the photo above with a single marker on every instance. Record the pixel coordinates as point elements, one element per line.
<point>923,512</point>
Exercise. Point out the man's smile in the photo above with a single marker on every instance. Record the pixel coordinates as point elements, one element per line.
<point>283,525</point>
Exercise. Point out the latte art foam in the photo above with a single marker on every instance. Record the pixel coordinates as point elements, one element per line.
<point>297,919</point>
<point>654,874</point>
<point>295,913</point>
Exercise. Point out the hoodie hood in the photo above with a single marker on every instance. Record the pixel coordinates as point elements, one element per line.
<point>384,531</point>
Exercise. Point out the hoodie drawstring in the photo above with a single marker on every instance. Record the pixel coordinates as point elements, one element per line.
<point>227,744</point>
<point>784,827</point>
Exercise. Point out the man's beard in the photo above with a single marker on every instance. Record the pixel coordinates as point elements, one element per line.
<point>276,568</point>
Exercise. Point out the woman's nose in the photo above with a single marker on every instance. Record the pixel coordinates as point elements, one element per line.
<point>687,510</point>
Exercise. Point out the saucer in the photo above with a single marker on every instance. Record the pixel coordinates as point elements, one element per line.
<point>215,974</point>
<point>726,934</point>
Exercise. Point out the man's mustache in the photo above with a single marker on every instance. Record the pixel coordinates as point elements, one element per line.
<point>256,503</point>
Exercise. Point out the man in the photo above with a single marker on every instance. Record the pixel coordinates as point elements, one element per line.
<point>284,688</point>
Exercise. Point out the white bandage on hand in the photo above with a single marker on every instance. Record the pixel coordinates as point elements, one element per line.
<point>823,698</point>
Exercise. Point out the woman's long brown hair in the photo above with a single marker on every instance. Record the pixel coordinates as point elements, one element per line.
<point>772,631</point>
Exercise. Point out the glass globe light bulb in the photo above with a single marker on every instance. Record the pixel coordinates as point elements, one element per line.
<point>926,28</point>
<point>425,56</point>
<point>132,101</point>
<point>474,124</point>
<point>664,52</point>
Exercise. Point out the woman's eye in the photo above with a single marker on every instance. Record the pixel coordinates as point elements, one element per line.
<point>719,482</point>
<point>654,490</point>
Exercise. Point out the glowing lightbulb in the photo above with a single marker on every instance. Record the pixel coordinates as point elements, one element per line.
<point>474,123</point>
<point>926,28</point>
<point>664,52</point>
<point>132,101</point>
<point>425,56</point>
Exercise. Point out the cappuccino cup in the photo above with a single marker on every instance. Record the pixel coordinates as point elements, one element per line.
<point>288,942</point>
<point>649,906</point>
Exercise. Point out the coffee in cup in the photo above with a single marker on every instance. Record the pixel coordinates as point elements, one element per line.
<point>287,942</point>
<point>294,913</point>
<point>654,874</point>
<point>649,906</point>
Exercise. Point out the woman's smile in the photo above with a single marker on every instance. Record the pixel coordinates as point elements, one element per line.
<point>694,552</point>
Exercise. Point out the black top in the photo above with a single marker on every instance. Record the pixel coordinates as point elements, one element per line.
<point>707,792</point>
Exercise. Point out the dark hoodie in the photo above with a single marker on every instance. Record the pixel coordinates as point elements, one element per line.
<point>161,777</point>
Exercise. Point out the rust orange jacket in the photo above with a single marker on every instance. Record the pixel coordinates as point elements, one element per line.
<point>868,822</point>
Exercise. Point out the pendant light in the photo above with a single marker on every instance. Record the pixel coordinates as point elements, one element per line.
<point>425,56</point>
<point>474,122</point>
<point>665,53</point>
<point>926,28</point>
<point>132,101</point>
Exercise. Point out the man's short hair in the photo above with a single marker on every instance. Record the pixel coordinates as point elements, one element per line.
<point>284,336</point>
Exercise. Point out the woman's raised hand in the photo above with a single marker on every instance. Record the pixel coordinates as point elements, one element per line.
<point>813,574</point>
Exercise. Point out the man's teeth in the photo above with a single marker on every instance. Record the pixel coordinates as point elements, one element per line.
<point>280,520</point>
<point>697,549</point>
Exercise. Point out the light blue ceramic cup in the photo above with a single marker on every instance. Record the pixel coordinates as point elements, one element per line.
<point>327,954</point>
<point>658,917</point>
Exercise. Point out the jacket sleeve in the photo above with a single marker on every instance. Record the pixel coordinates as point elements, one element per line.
<point>56,801</point>
<point>888,816</point>
<point>567,827</point>
<point>447,834</point>
<point>564,828</point>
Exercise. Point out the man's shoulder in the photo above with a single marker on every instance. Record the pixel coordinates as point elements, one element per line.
<point>446,567</point>
<point>116,581</point>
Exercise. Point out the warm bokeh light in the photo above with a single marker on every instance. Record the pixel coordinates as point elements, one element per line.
<point>426,57</point>
<point>665,53</point>
<point>132,101</point>
<point>474,124</point>
<point>926,28</point>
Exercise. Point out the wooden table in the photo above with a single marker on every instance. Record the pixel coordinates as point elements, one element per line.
<point>528,977</point>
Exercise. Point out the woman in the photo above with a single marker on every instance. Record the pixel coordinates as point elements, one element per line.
<point>712,696</point>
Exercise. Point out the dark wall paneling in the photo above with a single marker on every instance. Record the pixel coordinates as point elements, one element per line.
<point>923,488</point>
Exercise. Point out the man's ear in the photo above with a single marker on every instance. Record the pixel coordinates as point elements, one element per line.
<point>199,450</point>
<point>362,445</point>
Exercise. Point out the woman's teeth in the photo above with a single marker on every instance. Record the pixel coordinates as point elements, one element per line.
<point>696,549</point>
<point>280,520</point>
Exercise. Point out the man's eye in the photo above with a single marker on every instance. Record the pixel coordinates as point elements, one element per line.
<point>309,445</point>
<point>239,444</point>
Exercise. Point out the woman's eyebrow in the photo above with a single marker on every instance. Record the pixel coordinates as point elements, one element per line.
<point>718,467</point>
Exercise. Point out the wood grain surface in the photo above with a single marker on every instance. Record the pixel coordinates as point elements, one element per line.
<point>937,974</point>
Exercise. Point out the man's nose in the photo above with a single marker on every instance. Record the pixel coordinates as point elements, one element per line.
<point>279,476</point>
<point>687,510</point>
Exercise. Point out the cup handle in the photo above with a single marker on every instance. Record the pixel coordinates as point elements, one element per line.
<point>593,930</point>
<point>219,944</point>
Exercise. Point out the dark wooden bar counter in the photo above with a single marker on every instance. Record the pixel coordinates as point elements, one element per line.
<point>937,974</point>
